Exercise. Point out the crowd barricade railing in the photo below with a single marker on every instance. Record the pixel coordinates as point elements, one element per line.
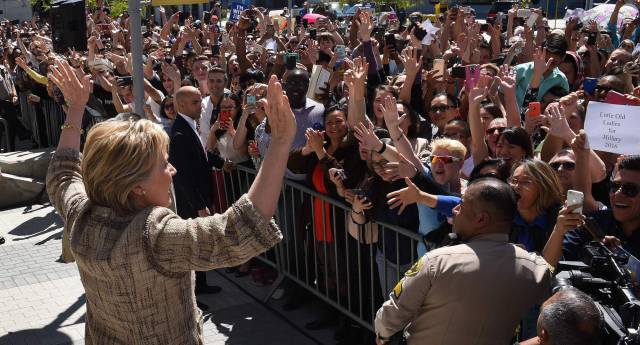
<point>351,267</point>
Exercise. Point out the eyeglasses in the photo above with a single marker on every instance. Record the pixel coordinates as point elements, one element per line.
<point>440,108</point>
<point>564,165</point>
<point>627,188</point>
<point>444,159</point>
<point>514,182</point>
<point>492,130</point>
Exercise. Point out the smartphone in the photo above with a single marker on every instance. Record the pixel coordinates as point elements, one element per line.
<point>291,59</point>
<point>614,97</point>
<point>592,38</point>
<point>531,22</point>
<point>589,85</point>
<point>305,23</point>
<point>124,81</point>
<point>524,13</point>
<point>484,27</point>
<point>439,65</point>
<point>534,109</point>
<point>472,76</point>
<point>225,38</point>
<point>340,174</point>
<point>206,17</point>
<point>341,50</point>
<point>251,100</point>
<point>361,193</point>
<point>458,72</point>
<point>225,116</point>
<point>575,197</point>
<point>390,39</point>
<point>313,33</point>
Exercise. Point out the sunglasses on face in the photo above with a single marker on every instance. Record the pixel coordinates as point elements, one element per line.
<point>440,108</point>
<point>492,130</point>
<point>630,190</point>
<point>444,159</point>
<point>565,165</point>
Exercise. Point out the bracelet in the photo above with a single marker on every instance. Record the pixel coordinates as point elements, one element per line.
<point>354,221</point>
<point>356,212</point>
<point>67,125</point>
<point>383,148</point>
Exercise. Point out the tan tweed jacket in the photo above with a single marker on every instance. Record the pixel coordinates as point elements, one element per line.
<point>137,271</point>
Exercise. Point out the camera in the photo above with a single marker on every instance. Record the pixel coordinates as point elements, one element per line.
<point>602,274</point>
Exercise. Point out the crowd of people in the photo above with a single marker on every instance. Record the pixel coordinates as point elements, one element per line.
<point>452,126</point>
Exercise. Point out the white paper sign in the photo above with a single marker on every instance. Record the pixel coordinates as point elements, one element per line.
<point>613,128</point>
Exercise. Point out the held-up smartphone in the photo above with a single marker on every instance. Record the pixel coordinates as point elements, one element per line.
<point>524,13</point>
<point>472,76</point>
<point>291,59</point>
<point>532,20</point>
<point>484,27</point>
<point>305,23</point>
<point>614,97</point>
<point>439,65</point>
<point>390,40</point>
<point>589,85</point>
<point>207,17</point>
<point>215,50</point>
<point>575,197</point>
<point>592,38</point>
<point>534,109</point>
<point>341,50</point>
<point>458,72</point>
<point>313,33</point>
<point>361,193</point>
<point>225,116</point>
<point>251,102</point>
<point>124,81</point>
<point>225,38</point>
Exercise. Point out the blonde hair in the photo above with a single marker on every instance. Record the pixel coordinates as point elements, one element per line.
<point>117,156</point>
<point>456,148</point>
<point>550,191</point>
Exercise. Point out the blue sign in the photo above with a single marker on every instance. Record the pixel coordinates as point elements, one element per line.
<point>236,9</point>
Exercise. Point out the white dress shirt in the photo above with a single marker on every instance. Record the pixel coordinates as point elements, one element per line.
<point>192,124</point>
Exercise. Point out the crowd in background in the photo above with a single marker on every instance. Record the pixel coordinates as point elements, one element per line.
<point>395,118</point>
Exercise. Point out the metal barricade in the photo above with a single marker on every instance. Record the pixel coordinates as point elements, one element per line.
<point>351,267</point>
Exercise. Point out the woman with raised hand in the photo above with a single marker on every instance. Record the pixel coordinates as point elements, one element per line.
<point>136,257</point>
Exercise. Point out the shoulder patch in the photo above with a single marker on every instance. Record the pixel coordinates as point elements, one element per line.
<point>397,290</point>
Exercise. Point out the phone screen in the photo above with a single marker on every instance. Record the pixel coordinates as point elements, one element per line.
<point>438,65</point>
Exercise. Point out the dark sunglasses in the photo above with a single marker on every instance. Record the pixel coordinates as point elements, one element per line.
<point>564,165</point>
<point>493,129</point>
<point>628,189</point>
<point>440,108</point>
<point>444,159</point>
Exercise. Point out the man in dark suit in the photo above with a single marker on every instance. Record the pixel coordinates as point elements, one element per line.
<point>193,162</point>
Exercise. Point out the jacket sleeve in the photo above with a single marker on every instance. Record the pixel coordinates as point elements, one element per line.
<point>405,300</point>
<point>299,164</point>
<point>66,192</point>
<point>204,243</point>
<point>182,155</point>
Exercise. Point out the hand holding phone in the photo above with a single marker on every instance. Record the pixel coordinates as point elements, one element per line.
<point>534,109</point>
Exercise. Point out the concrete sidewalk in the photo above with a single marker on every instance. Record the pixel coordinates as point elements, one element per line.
<point>42,301</point>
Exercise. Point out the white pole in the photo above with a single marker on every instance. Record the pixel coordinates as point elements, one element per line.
<point>135,30</point>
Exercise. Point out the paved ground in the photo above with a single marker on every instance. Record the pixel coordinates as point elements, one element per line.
<point>42,301</point>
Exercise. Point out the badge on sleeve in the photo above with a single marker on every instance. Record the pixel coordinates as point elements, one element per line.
<point>397,291</point>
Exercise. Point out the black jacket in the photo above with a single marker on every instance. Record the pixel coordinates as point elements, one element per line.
<point>193,180</point>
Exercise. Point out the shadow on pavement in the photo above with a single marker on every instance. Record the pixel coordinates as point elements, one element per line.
<point>48,334</point>
<point>37,226</point>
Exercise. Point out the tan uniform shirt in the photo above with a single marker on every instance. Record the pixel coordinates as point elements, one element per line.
<point>137,270</point>
<point>473,293</point>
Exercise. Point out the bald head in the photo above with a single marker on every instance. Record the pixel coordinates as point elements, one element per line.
<point>570,317</point>
<point>495,197</point>
<point>189,101</point>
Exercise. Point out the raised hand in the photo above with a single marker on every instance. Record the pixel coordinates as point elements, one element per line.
<point>390,112</point>
<point>579,144</point>
<point>540,65</point>
<point>507,78</point>
<point>558,125</point>
<point>360,203</point>
<point>410,60</point>
<point>315,139</point>
<point>479,92</point>
<point>279,114</point>
<point>76,89</point>
<point>400,169</point>
<point>365,26</point>
<point>403,197</point>
<point>367,137</point>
